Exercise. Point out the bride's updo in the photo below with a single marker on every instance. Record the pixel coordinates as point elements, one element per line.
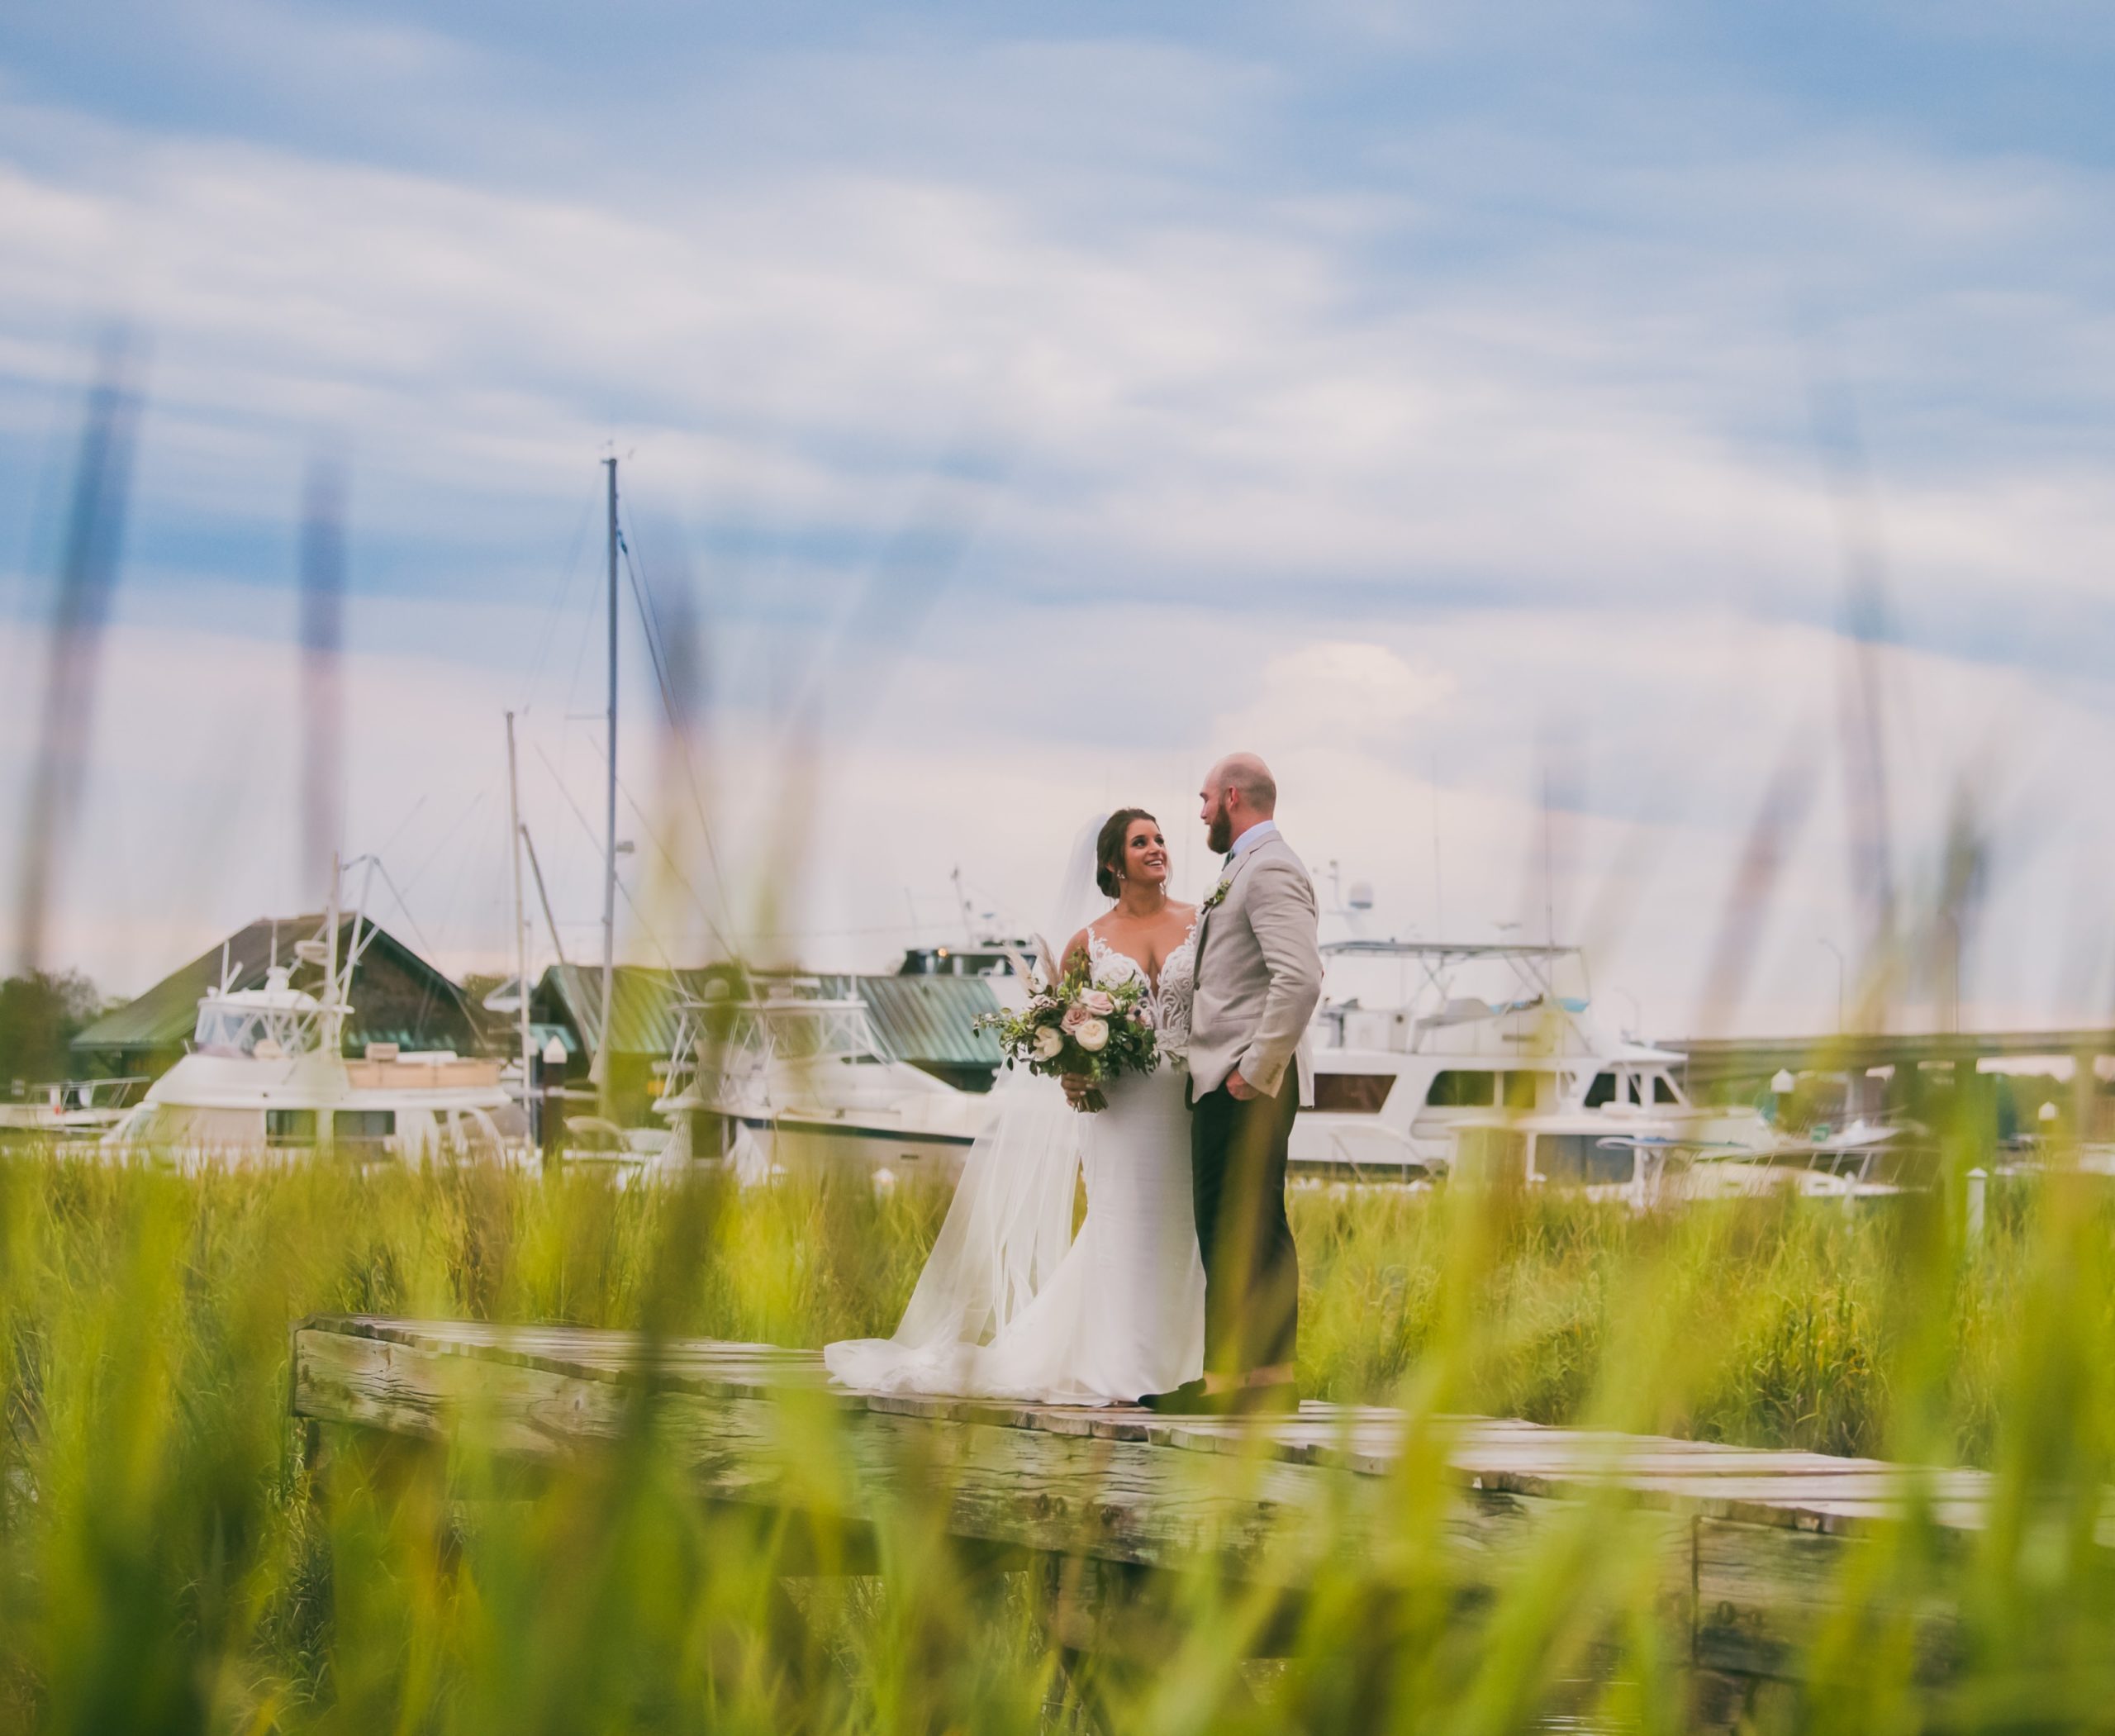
<point>1108,850</point>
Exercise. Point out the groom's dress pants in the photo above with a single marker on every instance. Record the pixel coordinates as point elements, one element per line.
<point>1238,1154</point>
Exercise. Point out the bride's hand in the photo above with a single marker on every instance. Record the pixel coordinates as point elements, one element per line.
<point>1076,1086</point>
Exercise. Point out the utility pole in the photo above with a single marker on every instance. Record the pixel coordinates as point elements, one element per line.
<point>602,1070</point>
<point>521,934</point>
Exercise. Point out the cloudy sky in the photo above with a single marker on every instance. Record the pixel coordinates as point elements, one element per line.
<point>1496,416</point>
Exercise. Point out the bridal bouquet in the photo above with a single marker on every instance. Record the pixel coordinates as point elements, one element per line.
<point>1075,1027</point>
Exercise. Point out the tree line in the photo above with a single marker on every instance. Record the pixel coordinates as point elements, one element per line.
<point>40,1013</point>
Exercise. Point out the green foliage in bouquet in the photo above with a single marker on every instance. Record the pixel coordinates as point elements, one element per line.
<point>1079,1028</point>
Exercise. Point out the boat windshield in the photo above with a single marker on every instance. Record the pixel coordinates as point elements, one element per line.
<point>223,1029</point>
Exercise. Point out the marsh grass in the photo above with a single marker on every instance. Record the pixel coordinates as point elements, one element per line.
<point>172,1558</point>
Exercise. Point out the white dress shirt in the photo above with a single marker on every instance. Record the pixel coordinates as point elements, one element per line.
<point>1250,838</point>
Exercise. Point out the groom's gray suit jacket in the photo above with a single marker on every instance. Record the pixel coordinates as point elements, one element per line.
<point>1259,974</point>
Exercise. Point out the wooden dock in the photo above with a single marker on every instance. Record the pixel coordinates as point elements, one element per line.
<point>1749,1546</point>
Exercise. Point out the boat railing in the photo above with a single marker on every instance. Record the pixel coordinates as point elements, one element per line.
<point>724,1047</point>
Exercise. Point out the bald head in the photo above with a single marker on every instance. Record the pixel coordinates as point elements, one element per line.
<point>1247,773</point>
<point>1238,792</point>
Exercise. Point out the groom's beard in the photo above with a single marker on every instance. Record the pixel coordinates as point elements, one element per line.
<point>1220,836</point>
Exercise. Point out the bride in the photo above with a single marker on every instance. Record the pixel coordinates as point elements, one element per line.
<point>1011,1304</point>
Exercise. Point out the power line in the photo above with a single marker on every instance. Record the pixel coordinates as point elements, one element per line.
<point>557,607</point>
<point>448,837</point>
<point>675,867</point>
<point>638,916</point>
<point>650,621</point>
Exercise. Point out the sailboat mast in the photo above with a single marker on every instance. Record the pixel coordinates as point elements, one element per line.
<point>520,924</point>
<point>609,858</point>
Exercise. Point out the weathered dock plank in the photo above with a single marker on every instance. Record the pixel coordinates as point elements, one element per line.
<point>1751,1545</point>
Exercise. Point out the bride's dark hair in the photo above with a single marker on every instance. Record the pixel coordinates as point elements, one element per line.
<point>1108,850</point>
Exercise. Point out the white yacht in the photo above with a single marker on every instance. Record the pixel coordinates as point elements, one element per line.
<point>1416,1040</point>
<point>1656,1163</point>
<point>265,1079</point>
<point>795,1078</point>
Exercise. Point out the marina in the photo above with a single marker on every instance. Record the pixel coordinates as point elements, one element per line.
<point>1430,1059</point>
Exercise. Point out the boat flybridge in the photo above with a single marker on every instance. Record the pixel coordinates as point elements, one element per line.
<point>1416,1042</point>
<point>794,1078</point>
<point>266,1079</point>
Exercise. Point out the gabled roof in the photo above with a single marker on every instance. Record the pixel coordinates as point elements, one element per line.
<point>647,1002</point>
<point>928,1020</point>
<point>421,1008</point>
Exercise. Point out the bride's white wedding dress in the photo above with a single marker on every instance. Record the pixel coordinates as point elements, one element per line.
<point>1006,1309</point>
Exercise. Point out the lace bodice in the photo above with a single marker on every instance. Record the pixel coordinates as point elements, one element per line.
<point>1167,1001</point>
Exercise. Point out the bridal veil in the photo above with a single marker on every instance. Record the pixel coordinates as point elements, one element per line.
<point>1010,1221</point>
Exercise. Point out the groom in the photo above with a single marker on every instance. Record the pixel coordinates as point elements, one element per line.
<point>1258,975</point>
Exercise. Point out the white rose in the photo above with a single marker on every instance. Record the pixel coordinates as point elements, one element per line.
<point>1048,1043</point>
<point>1092,1035</point>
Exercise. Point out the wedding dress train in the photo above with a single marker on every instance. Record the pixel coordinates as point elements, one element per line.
<point>1005,1308</point>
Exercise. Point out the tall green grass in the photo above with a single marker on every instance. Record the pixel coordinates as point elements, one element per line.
<point>173,1556</point>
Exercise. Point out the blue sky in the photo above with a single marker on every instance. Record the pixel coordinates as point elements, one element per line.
<point>1429,391</point>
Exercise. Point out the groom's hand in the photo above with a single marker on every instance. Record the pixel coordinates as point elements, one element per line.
<point>1238,1088</point>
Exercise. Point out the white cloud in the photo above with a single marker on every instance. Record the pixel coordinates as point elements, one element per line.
<point>1334,693</point>
<point>1252,391</point>
<point>1396,475</point>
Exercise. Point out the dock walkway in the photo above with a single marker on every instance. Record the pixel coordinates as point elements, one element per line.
<point>1751,1543</point>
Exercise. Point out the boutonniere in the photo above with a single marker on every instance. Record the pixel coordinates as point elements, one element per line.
<point>1218,895</point>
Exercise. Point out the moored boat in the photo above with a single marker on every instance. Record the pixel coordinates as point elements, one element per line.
<point>795,1078</point>
<point>265,1079</point>
<point>1417,1040</point>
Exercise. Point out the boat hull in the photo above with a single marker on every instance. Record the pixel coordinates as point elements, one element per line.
<point>793,1141</point>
